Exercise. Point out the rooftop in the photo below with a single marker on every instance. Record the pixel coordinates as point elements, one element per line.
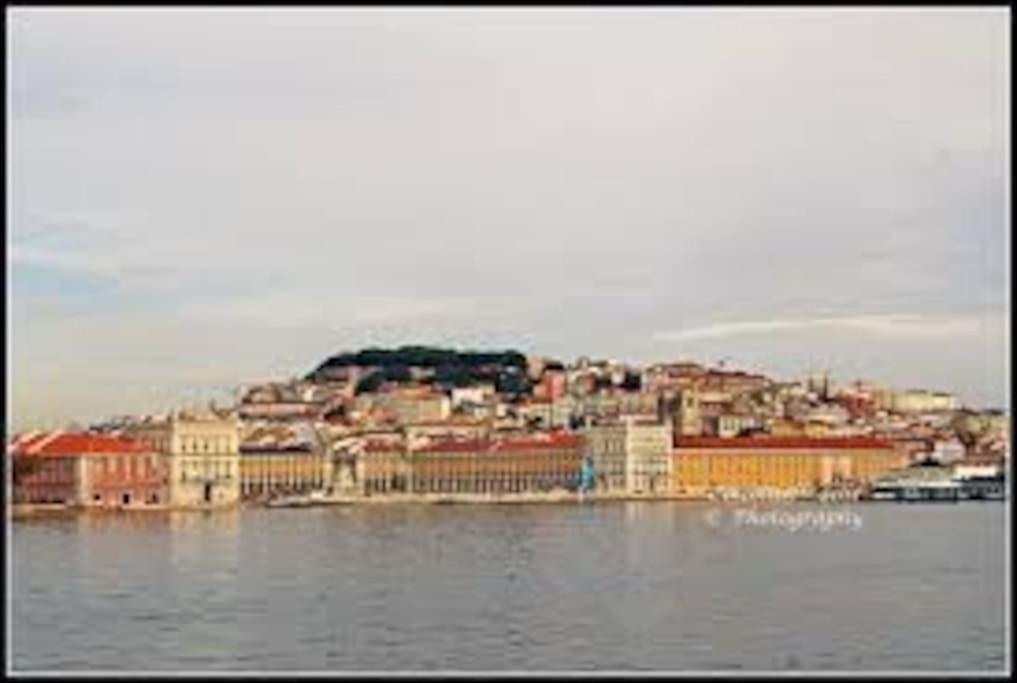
<point>546,440</point>
<point>753,442</point>
<point>56,444</point>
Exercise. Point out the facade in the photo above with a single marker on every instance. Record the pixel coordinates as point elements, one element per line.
<point>704,464</point>
<point>631,456</point>
<point>414,407</point>
<point>268,471</point>
<point>539,463</point>
<point>551,386</point>
<point>453,428</point>
<point>688,418</point>
<point>203,457</point>
<point>280,410</point>
<point>733,424</point>
<point>922,402</point>
<point>536,411</point>
<point>563,410</point>
<point>88,470</point>
<point>383,468</point>
<point>476,395</point>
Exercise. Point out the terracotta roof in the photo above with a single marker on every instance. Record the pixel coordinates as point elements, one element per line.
<point>752,442</point>
<point>541,442</point>
<point>550,441</point>
<point>59,444</point>
<point>455,446</point>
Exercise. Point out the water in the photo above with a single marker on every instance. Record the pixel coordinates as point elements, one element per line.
<point>621,586</point>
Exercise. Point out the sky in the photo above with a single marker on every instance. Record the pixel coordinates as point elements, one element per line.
<point>201,199</point>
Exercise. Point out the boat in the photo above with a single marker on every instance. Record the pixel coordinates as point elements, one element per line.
<point>915,490</point>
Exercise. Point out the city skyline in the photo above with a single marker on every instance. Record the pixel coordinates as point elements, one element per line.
<point>827,190</point>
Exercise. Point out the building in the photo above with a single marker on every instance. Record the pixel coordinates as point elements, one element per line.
<point>801,464</point>
<point>266,472</point>
<point>563,411</point>
<point>538,463</point>
<point>536,412</point>
<point>475,395</point>
<point>688,418</point>
<point>278,460</point>
<point>631,455</point>
<point>295,410</point>
<point>734,424</point>
<point>730,382</point>
<point>551,386</point>
<point>87,470</point>
<point>409,407</point>
<point>203,456</point>
<point>383,468</point>
<point>947,451</point>
<point>920,401</point>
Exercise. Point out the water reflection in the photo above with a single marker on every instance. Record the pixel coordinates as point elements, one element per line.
<point>634,585</point>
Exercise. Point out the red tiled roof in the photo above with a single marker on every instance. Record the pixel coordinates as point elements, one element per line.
<point>58,444</point>
<point>455,446</point>
<point>752,442</point>
<point>543,442</point>
<point>551,441</point>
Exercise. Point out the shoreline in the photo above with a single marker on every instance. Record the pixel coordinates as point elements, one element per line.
<point>22,511</point>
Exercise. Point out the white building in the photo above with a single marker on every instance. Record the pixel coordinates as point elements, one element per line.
<point>631,456</point>
<point>204,458</point>
<point>920,401</point>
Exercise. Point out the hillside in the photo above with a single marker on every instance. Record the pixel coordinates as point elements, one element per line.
<point>429,365</point>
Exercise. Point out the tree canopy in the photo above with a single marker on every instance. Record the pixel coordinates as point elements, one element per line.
<point>450,367</point>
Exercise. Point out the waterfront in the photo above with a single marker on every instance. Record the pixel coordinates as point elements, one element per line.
<point>615,586</point>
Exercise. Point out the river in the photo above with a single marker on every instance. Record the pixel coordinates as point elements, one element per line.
<point>674,586</point>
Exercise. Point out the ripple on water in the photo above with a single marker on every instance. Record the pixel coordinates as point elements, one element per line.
<point>510,588</point>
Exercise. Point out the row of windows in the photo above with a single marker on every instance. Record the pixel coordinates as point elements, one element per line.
<point>256,488</point>
<point>40,496</point>
<point>459,474</point>
<point>53,471</point>
<point>206,444</point>
<point>506,485</point>
<point>191,470</point>
<point>281,466</point>
<point>314,476</point>
<point>131,465</point>
<point>126,498</point>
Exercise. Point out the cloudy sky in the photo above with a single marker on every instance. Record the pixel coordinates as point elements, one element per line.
<point>203,198</point>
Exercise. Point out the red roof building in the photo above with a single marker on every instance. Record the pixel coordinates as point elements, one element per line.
<point>86,469</point>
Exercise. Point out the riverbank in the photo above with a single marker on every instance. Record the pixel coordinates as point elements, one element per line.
<point>22,511</point>
<point>26,511</point>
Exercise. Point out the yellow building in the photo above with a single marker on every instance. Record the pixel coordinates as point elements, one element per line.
<point>266,472</point>
<point>383,468</point>
<point>791,464</point>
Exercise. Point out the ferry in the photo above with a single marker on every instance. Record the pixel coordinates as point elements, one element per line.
<point>914,489</point>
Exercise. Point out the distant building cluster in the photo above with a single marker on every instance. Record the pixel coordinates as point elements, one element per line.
<point>433,422</point>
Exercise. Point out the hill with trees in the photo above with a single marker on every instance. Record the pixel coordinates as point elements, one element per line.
<point>506,370</point>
